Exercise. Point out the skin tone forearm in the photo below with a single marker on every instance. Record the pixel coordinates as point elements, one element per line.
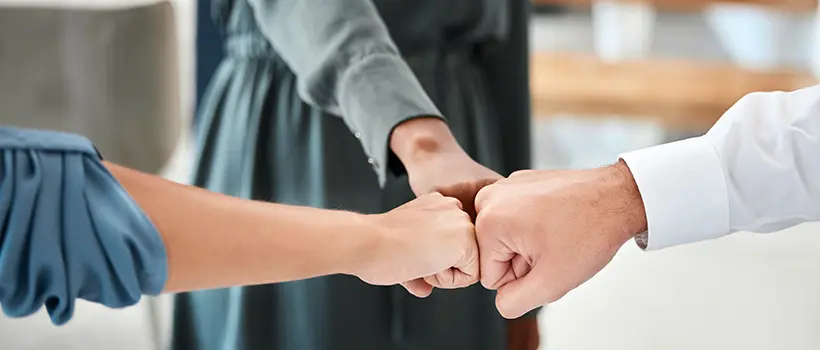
<point>416,141</point>
<point>215,241</point>
<point>625,195</point>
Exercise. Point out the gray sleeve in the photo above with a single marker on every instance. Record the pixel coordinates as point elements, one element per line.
<point>346,64</point>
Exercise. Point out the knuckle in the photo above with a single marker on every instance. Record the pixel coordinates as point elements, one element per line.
<point>484,193</point>
<point>467,230</point>
<point>485,221</point>
<point>520,173</point>
<point>465,218</point>
<point>473,278</point>
<point>432,280</point>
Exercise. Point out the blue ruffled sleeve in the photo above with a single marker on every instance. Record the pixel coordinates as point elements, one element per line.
<point>68,230</point>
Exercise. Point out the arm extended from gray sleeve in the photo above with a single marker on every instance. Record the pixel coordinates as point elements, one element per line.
<point>346,64</point>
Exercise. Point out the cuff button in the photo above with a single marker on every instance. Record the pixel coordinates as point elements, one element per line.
<point>373,162</point>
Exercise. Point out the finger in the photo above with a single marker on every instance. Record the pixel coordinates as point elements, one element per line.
<point>495,273</point>
<point>468,197</point>
<point>506,276</point>
<point>462,279</point>
<point>433,196</point>
<point>461,193</point>
<point>521,296</point>
<point>418,287</point>
<point>518,268</point>
<point>488,181</point>
<point>528,175</point>
<point>422,201</point>
<point>444,279</point>
<point>451,279</point>
<point>468,269</point>
<point>437,280</point>
<point>458,203</point>
<point>523,174</point>
<point>444,200</point>
<point>495,260</point>
<point>481,198</point>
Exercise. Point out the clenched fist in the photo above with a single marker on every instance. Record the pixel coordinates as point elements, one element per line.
<point>429,236</point>
<point>543,233</point>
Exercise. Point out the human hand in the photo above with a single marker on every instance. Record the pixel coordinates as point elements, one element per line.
<point>430,235</point>
<point>436,163</point>
<point>543,233</point>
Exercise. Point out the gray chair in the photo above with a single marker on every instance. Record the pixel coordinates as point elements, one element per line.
<point>109,74</point>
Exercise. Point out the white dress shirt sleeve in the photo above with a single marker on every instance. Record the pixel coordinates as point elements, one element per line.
<point>757,169</point>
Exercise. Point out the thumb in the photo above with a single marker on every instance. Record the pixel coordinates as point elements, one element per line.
<point>467,270</point>
<point>496,263</point>
<point>418,287</point>
<point>522,295</point>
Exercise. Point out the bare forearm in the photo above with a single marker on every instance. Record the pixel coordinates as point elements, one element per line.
<point>215,241</point>
<point>626,199</point>
<point>416,141</point>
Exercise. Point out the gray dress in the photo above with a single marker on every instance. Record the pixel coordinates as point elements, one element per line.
<point>258,139</point>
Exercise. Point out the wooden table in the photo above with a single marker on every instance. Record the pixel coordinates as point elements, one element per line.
<point>680,94</point>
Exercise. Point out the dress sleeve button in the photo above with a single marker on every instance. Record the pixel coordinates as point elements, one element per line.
<point>373,162</point>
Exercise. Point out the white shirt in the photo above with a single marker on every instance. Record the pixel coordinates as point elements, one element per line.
<point>757,169</point>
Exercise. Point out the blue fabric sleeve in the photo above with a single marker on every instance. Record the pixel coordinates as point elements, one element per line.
<point>68,230</point>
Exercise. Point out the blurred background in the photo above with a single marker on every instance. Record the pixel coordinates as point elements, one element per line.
<point>606,77</point>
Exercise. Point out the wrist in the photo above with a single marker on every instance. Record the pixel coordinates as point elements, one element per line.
<point>626,203</point>
<point>362,243</point>
<point>418,140</point>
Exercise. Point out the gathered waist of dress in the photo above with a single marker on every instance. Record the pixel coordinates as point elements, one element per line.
<point>253,47</point>
<point>249,46</point>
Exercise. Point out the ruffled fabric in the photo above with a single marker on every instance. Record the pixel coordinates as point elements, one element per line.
<point>68,230</point>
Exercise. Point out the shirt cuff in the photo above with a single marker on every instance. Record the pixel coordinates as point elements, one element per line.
<point>377,94</point>
<point>684,192</point>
